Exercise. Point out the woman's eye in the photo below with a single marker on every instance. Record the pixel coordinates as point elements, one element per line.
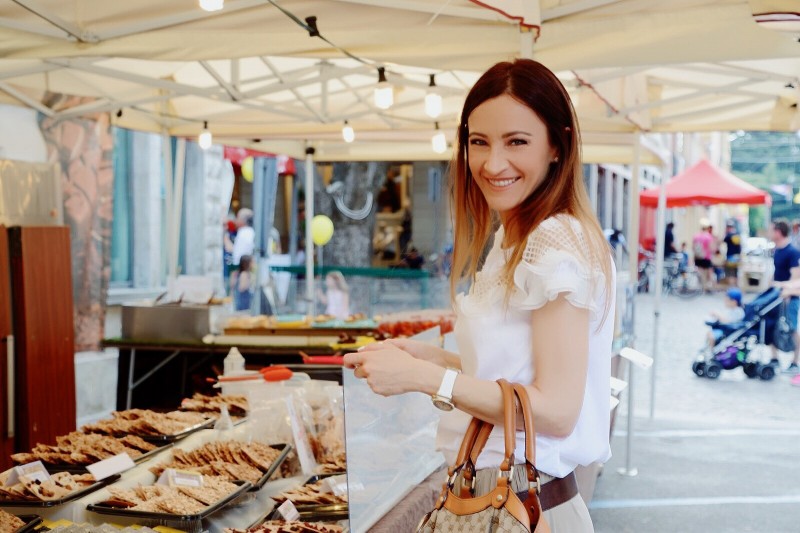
<point>477,142</point>
<point>518,142</point>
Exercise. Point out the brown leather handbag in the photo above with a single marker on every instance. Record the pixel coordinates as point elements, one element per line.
<point>499,511</point>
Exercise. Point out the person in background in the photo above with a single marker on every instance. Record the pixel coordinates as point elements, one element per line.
<point>733,252</point>
<point>786,257</point>
<point>540,308</point>
<point>669,241</point>
<point>242,284</point>
<point>412,260</point>
<point>336,299</point>
<point>795,237</point>
<point>245,241</point>
<point>683,263</point>
<point>733,313</point>
<point>702,244</point>
<point>228,235</point>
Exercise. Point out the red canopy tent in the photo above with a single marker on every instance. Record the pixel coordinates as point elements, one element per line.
<point>706,184</point>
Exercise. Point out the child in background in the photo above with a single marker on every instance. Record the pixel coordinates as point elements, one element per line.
<point>734,312</point>
<point>684,260</point>
<point>337,298</point>
<point>241,282</point>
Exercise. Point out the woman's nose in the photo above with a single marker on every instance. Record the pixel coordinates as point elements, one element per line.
<point>496,162</point>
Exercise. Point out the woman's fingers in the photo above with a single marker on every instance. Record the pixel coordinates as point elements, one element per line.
<point>353,360</point>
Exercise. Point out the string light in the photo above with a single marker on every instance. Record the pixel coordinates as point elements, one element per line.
<point>433,100</point>
<point>439,141</point>
<point>384,94</point>
<point>347,133</point>
<point>205,139</point>
<point>211,5</point>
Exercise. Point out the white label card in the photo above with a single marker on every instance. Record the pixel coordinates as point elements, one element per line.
<point>180,478</point>
<point>109,467</point>
<point>35,471</point>
<point>336,484</point>
<point>288,511</point>
<point>308,462</point>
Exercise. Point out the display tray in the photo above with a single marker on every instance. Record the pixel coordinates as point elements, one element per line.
<point>178,436</point>
<point>81,469</point>
<point>102,508</point>
<point>31,521</point>
<point>285,449</point>
<point>68,498</point>
<point>321,512</point>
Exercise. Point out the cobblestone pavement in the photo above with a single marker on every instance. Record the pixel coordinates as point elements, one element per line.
<point>718,455</point>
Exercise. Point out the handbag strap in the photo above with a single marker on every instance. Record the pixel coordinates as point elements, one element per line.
<point>509,424</point>
<point>530,433</point>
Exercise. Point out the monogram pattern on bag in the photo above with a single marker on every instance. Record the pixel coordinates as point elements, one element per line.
<point>490,520</point>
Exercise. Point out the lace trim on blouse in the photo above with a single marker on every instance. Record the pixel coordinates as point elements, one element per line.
<point>554,262</point>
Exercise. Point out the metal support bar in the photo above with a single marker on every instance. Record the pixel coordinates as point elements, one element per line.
<point>10,422</point>
<point>133,384</point>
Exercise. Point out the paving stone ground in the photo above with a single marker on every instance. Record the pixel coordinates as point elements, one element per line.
<point>717,456</point>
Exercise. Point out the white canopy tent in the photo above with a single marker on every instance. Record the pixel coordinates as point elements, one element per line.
<point>254,73</point>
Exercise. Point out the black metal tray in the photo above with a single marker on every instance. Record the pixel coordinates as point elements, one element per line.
<point>311,513</point>
<point>31,521</point>
<point>285,449</point>
<point>178,436</point>
<point>81,469</point>
<point>68,498</point>
<point>101,508</point>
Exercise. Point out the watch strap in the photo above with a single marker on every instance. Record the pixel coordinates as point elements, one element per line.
<point>448,383</point>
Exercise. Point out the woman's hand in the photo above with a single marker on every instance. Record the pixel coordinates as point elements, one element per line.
<point>420,350</point>
<point>389,370</point>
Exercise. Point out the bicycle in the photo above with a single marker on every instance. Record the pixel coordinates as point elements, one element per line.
<point>680,280</point>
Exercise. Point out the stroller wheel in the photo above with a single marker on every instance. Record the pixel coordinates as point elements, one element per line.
<point>713,371</point>
<point>751,370</point>
<point>767,372</point>
<point>699,368</point>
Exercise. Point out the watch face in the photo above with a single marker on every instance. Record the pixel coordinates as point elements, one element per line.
<point>442,403</point>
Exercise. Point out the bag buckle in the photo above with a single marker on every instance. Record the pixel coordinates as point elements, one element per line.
<point>537,484</point>
<point>510,473</point>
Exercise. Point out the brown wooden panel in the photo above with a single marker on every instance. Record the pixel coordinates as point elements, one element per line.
<point>43,325</point>
<point>6,443</point>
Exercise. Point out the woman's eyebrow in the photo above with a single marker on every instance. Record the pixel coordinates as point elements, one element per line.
<point>505,135</point>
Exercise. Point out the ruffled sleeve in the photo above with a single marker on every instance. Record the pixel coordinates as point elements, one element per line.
<point>555,262</point>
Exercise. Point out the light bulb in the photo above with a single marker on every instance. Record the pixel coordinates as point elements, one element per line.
<point>433,105</point>
<point>347,133</point>
<point>439,142</point>
<point>205,139</point>
<point>433,100</point>
<point>384,94</point>
<point>211,5</point>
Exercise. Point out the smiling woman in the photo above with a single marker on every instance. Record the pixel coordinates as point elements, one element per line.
<point>536,312</point>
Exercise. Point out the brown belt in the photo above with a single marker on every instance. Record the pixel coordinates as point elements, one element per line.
<point>558,491</point>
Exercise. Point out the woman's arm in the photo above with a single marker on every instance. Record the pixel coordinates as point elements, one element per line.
<point>560,333</point>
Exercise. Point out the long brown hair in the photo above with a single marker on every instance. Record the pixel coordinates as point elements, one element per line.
<point>562,190</point>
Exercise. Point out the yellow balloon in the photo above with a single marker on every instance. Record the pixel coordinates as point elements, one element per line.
<point>247,168</point>
<point>321,230</point>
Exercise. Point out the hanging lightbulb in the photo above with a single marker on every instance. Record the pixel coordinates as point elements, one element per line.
<point>211,5</point>
<point>433,100</point>
<point>347,133</point>
<point>205,139</point>
<point>384,94</point>
<point>439,141</point>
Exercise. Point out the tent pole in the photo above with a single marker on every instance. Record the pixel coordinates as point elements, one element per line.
<point>660,227</point>
<point>311,309</point>
<point>633,226</point>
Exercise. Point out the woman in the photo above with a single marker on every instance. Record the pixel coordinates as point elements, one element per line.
<point>538,311</point>
<point>337,299</point>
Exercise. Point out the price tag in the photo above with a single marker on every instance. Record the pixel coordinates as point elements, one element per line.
<point>288,511</point>
<point>109,467</point>
<point>336,484</point>
<point>180,478</point>
<point>35,471</point>
<point>307,461</point>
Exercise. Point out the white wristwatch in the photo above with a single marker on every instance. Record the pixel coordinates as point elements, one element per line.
<point>443,399</point>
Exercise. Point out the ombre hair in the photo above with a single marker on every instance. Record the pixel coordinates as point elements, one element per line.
<point>561,192</point>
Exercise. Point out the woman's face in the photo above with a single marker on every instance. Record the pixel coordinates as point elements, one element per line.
<point>509,152</point>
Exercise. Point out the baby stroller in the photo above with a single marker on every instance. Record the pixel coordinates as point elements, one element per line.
<point>733,349</point>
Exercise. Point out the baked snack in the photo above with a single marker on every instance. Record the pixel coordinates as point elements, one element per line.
<point>9,523</point>
<point>228,460</point>
<point>274,526</point>
<point>310,494</point>
<point>60,485</point>
<point>172,500</point>
<point>143,422</point>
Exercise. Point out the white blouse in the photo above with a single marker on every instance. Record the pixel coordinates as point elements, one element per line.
<point>495,342</point>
